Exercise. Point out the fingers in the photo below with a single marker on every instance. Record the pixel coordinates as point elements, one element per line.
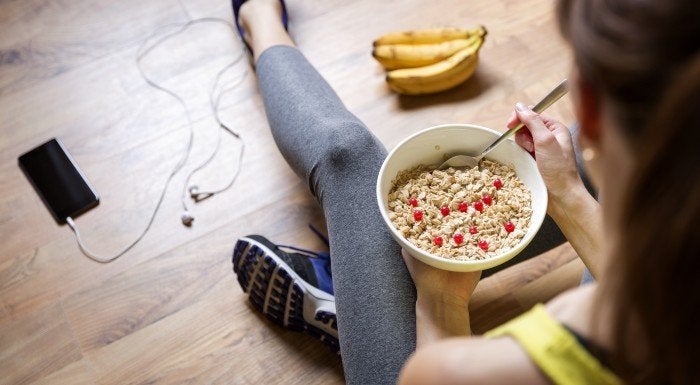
<point>552,123</point>
<point>524,139</point>
<point>539,131</point>
<point>406,257</point>
<point>547,118</point>
<point>512,120</point>
<point>409,261</point>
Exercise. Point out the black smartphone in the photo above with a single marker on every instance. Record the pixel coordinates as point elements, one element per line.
<point>58,180</point>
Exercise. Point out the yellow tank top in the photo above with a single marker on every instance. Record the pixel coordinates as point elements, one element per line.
<point>555,350</point>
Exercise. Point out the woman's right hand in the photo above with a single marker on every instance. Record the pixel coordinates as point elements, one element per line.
<point>549,141</point>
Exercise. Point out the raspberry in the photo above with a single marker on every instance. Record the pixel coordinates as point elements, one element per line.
<point>445,211</point>
<point>498,184</point>
<point>484,245</point>
<point>487,199</point>
<point>473,230</point>
<point>413,202</point>
<point>437,241</point>
<point>458,238</point>
<point>417,215</point>
<point>479,206</point>
<point>463,207</point>
<point>509,226</point>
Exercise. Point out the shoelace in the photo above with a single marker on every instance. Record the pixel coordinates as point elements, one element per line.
<point>310,253</point>
<point>319,234</point>
<point>319,254</point>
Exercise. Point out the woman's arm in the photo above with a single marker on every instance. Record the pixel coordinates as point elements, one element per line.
<point>443,296</point>
<point>442,299</point>
<point>471,361</point>
<point>440,318</point>
<point>579,217</point>
<point>574,210</point>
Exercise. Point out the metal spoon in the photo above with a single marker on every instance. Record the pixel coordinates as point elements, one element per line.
<point>473,161</point>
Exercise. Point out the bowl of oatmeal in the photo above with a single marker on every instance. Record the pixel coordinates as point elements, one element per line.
<point>461,219</point>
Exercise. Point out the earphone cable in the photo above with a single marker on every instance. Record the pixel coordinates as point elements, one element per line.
<point>142,52</point>
<point>214,103</point>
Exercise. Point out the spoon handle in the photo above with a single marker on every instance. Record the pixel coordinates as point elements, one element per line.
<point>547,101</point>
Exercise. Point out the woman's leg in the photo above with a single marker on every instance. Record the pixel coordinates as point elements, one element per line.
<point>331,149</point>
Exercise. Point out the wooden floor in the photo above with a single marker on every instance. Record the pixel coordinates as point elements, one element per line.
<point>170,311</point>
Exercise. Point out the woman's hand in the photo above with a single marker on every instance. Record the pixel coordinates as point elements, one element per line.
<point>436,285</point>
<point>442,301</point>
<point>574,210</point>
<point>550,143</point>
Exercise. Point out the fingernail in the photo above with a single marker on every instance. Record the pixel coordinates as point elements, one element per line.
<point>520,107</point>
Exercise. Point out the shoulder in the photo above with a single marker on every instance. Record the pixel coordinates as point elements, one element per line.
<point>586,311</point>
<point>472,360</point>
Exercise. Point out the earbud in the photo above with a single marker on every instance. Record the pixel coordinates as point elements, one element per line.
<point>187,218</point>
<point>197,196</point>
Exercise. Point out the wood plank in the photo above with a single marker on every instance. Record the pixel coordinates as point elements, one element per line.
<point>77,373</point>
<point>551,284</point>
<point>202,344</point>
<point>36,345</point>
<point>44,38</point>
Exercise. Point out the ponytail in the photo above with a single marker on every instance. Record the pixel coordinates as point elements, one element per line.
<point>658,259</point>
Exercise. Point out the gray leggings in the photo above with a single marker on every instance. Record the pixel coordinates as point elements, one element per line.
<point>338,156</point>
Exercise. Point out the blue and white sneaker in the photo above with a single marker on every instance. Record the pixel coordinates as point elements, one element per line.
<point>293,289</point>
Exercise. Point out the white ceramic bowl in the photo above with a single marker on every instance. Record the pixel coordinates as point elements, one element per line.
<point>430,146</point>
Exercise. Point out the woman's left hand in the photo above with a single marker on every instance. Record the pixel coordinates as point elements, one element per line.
<point>442,301</point>
<point>441,286</point>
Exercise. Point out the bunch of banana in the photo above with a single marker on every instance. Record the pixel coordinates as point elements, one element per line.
<point>429,60</point>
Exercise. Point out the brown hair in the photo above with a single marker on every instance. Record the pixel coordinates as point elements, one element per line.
<point>642,56</point>
<point>659,252</point>
<point>629,50</point>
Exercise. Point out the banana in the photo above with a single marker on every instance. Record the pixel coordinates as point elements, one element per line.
<point>393,56</point>
<point>428,36</point>
<point>436,77</point>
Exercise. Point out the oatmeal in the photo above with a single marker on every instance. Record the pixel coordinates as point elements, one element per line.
<point>461,214</point>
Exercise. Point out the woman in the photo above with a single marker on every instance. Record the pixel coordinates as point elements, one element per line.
<point>637,82</point>
<point>628,327</point>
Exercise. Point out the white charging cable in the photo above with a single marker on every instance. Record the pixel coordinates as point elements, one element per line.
<point>142,52</point>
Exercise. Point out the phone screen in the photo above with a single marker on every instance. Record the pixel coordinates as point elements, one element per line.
<point>58,180</point>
